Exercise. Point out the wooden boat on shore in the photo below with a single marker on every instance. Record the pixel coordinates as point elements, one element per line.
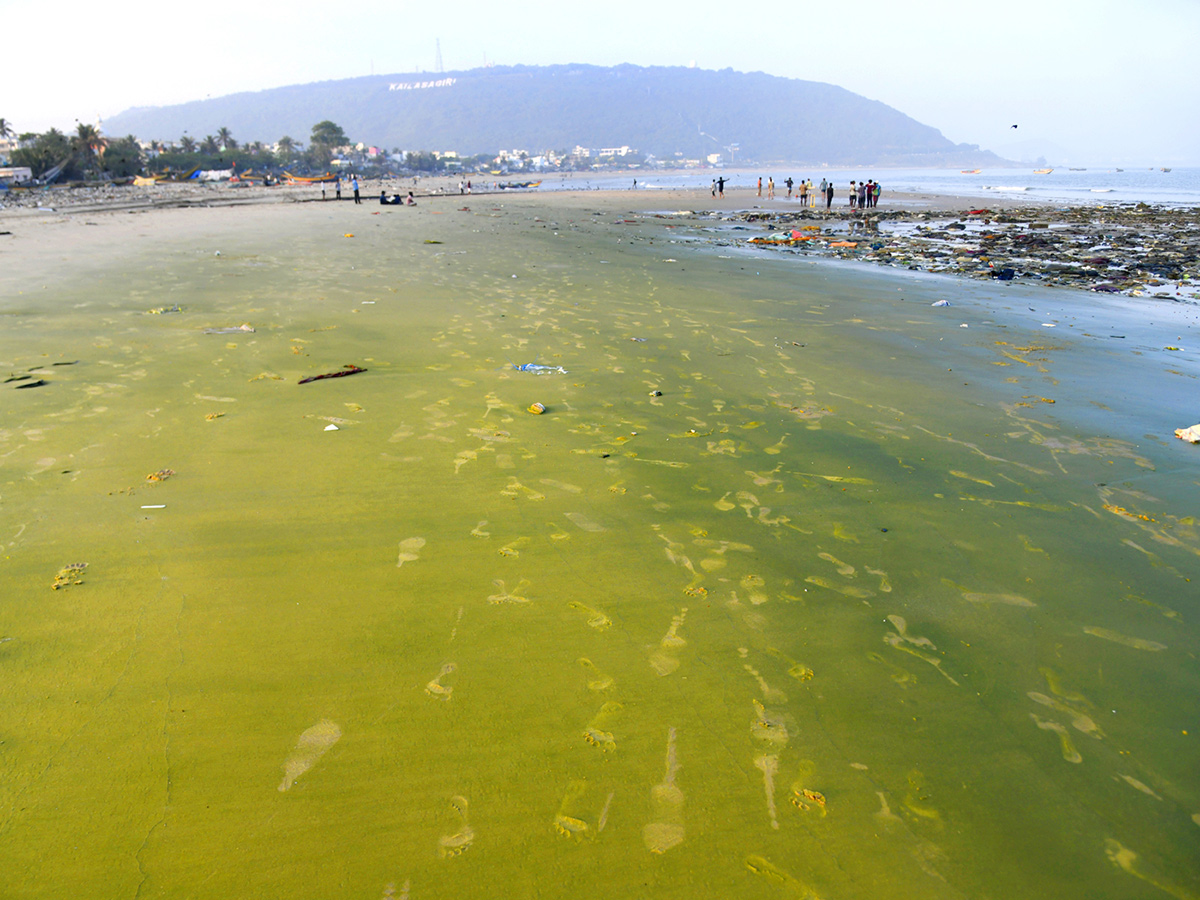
<point>327,178</point>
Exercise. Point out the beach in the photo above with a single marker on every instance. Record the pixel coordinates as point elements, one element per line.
<point>817,573</point>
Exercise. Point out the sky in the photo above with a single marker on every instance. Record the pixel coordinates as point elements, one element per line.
<point>1086,83</point>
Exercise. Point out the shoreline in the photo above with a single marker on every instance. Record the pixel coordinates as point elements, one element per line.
<point>1137,250</point>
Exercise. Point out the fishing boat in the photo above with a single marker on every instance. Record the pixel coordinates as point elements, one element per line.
<point>1042,171</point>
<point>970,171</point>
<point>327,178</point>
<point>517,185</point>
<point>1166,168</point>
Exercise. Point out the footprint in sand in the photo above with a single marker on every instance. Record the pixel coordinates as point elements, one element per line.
<point>565,823</point>
<point>843,568</point>
<point>666,800</point>
<point>770,694</point>
<point>901,640</point>
<point>597,680</point>
<point>796,670</point>
<point>769,766</point>
<point>1081,721</point>
<point>478,531</point>
<point>459,842</point>
<point>898,674</point>
<point>848,590</point>
<point>768,728</point>
<point>803,798</point>
<point>462,458</point>
<point>792,886</point>
<point>665,659</point>
<point>1001,599</point>
<point>915,798</point>
<point>596,619</point>
<point>1136,643</point>
<point>901,626</point>
<point>595,734</point>
<point>504,595</point>
<point>410,550</point>
<point>751,584</point>
<point>436,689</point>
<point>579,520</point>
<point>885,586</point>
<point>1125,859</point>
<point>311,746</point>
<point>1069,753</point>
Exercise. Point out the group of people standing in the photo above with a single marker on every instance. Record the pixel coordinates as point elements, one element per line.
<point>865,195</point>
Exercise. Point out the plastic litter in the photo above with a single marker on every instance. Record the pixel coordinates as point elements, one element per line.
<point>1191,434</point>
<point>940,303</point>
<point>332,428</point>
<point>232,329</point>
<point>537,408</point>
<point>540,370</point>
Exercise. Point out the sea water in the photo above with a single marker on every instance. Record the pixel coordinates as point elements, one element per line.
<point>1179,186</point>
<point>798,587</point>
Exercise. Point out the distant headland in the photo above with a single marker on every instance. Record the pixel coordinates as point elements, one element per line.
<point>656,115</point>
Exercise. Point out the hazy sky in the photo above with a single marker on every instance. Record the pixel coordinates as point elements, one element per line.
<point>1087,81</point>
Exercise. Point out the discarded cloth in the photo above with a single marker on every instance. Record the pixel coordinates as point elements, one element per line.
<point>540,370</point>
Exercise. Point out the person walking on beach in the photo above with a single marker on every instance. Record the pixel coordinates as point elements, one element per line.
<point>875,196</point>
<point>760,185</point>
<point>714,187</point>
<point>354,184</point>
<point>853,194</point>
<point>337,187</point>
<point>802,192</point>
<point>862,195</point>
<point>828,195</point>
<point>770,187</point>
<point>789,184</point>
<point>721,187</point>
<point>812,196</point>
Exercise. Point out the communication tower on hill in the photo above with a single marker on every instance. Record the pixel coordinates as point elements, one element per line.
<point>437,62</point>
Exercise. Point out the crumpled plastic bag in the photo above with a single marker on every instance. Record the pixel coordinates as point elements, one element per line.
<point>1189,434</point>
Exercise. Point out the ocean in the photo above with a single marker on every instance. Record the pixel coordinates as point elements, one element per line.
<point>1177,187</point>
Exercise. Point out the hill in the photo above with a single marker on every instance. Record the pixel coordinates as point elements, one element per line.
<point>667,111</point>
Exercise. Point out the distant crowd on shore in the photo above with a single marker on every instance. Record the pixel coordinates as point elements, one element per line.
<point>862,194</point>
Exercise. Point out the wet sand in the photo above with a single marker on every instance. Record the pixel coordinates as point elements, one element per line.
<point>799,584</point>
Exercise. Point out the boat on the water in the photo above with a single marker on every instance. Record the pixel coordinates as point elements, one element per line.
<point>517,185</point>
<point>970,171</point>
<point>1166,168</point>
<point>1042,171</point>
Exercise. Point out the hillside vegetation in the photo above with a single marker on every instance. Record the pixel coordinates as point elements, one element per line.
<point>671,113</point>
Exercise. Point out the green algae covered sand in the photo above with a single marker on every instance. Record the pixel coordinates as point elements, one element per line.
<point>795,588</point>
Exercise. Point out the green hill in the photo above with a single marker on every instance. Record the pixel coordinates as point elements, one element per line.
<point>669,112</point>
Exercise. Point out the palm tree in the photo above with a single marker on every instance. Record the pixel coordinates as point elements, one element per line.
<point>225,139</point>
<point>187,144</point>
<point>286,146</point>
<point>209,144</point>
<point>6,129</point>
<point>89,143</point>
